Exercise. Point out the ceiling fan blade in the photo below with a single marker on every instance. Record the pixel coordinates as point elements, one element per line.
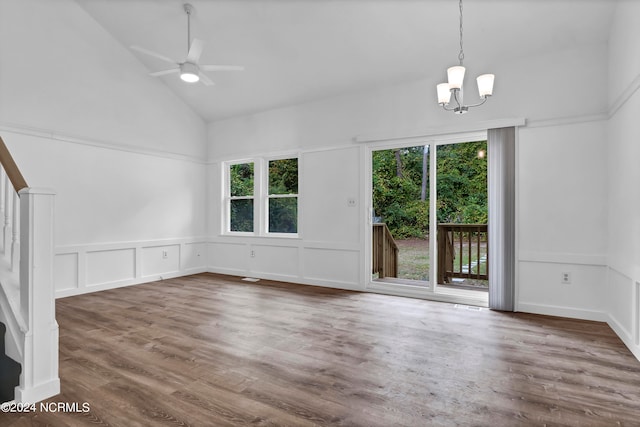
<point>206,80</point>
<point>222,67</point>
<point>195,51</point>
<point>164,72</point>
<point>154,54</point>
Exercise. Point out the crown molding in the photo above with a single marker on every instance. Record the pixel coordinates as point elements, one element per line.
<point>82,140</point>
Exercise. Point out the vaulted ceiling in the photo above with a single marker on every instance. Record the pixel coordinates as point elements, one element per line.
<point>296,51</point>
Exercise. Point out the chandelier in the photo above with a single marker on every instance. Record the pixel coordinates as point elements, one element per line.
<point>453,88</point>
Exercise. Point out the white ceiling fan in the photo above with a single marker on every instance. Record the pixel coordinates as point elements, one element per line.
<point>190,70</point>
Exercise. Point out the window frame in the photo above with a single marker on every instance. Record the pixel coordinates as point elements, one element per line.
<point>268,196</point>
<point>260,197</point>
<point>228,198</point>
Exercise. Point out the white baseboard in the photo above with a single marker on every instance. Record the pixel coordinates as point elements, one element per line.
<point>40,392</point>
<point>347,286</point>
<point>123,283</point>
<point>570,312</point>
<point>624,335</point>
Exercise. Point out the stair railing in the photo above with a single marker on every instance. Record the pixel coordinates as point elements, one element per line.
<point>462,252</point>
<point>27,297</point>
<point>385,252</point>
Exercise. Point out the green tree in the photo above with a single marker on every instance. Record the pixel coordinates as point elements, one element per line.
<point>396,196</point>
<point>402,199</point>
<point>283,180</point>
<point>241,178</point>
<point>462,183</point>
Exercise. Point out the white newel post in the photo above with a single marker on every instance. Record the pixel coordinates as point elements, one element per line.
<point>15,233</point>
<point>6,229</point>
<point>39,379</point>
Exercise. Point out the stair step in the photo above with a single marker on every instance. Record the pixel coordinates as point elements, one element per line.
<point>9,371</point>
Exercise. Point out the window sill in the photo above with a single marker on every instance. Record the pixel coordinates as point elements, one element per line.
<point>285,236</point>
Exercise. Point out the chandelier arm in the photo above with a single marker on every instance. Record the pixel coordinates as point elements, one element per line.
<point>455,96</point>
<point>484,99</point>
<point>448,109</point>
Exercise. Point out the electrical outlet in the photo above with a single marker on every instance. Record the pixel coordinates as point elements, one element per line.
<point>351,202</point>
<point>165,254</point>
<point>566,278</point>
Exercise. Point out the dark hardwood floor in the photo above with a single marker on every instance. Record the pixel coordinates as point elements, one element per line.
<point>211,350</point>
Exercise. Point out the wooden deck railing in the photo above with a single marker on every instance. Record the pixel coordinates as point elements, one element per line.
<point>462,252</point>
<point>385,252</point>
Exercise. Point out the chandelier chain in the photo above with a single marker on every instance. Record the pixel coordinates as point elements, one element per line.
<point>461,54</point>
<point>450,94</point>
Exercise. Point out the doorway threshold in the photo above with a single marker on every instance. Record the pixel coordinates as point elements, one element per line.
<point>423,290</point>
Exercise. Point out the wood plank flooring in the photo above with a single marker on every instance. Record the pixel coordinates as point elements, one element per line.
<point>211,350</point>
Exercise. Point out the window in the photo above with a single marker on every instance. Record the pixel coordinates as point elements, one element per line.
<point>261,197</point>
<point>241,200</point>
<point>283,196</point>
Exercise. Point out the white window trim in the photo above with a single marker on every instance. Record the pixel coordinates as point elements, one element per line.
<point>267,197</point>
<point>260,197</point>
<point>227,198</point>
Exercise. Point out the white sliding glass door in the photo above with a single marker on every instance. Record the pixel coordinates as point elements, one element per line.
<point>417,189</point>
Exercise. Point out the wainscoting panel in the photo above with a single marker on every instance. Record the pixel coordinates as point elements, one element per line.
<point>541,291</point>
<point>275,260</point>
<point>110,266</point>
<point>65,271</point>
<point>160,260</point>
<point>624,308</point>
<point>194,256</point>
<point>90,268</point>
<point>621,302</point>
<point>229,258</point>
<point>330,265</point>
<point>288,260</point>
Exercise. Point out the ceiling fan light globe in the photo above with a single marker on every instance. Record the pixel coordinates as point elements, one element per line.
<point>189,72</point>
<point>189,77</point>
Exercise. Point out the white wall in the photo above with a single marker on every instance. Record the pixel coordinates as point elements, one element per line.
<point>560,173</point>
<point>124,154</point>
<point>623,287</point>
<point>536,88</point>
<point>62,72</point>
<point>328,249</point>
<point>561,217</point>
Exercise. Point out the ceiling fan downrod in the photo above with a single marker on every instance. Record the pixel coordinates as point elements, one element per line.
<point>188,8</point>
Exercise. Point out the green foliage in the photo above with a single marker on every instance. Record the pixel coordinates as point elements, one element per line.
<point>461,182</point>
<point>283,176</point>
<point>283,215</point>
<point>241,215</point>
<point>241,179</point>
<point>283,180</point>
